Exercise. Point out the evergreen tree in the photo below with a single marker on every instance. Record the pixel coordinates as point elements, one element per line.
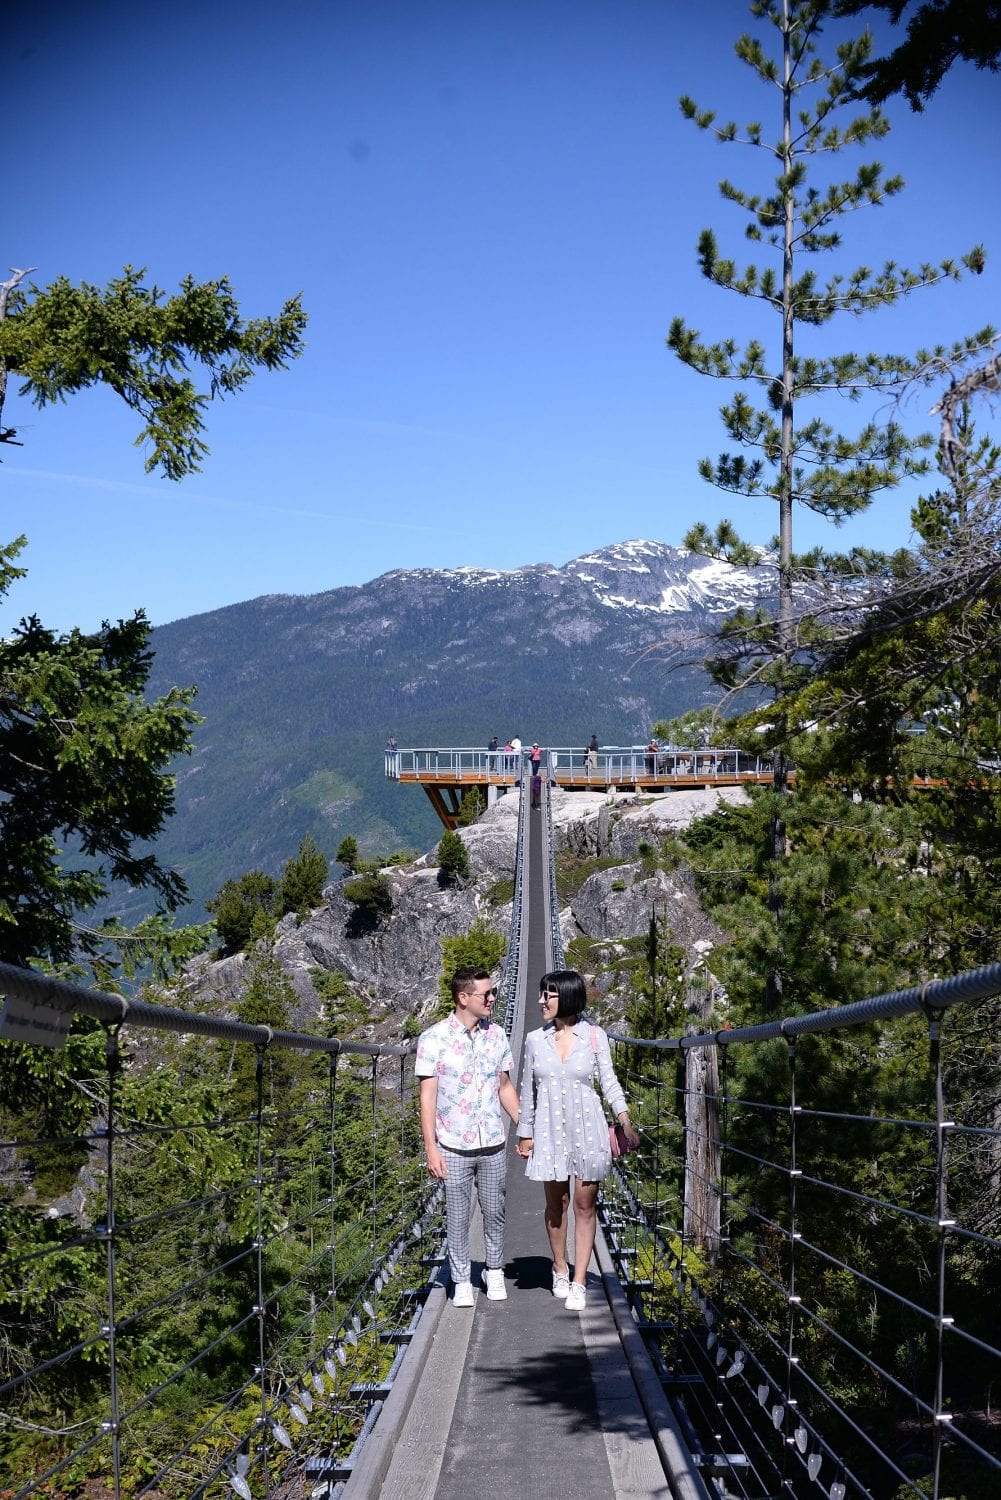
<point>472,807</point>
<point>83,759</point>
<point>480,947</point>
<point>939,33</point>
<point>133,338</point>
<point>83,756</point>
<point>453,860</point>
<point>303,879</point>
<point>806,463</point>
<point>831,473</point>
<point>347,853</point>
<point>237,904</point>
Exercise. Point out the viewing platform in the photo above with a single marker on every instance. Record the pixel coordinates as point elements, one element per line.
<point>447,774</point>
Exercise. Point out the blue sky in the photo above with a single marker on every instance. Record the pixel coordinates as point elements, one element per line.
<point>491,211</point>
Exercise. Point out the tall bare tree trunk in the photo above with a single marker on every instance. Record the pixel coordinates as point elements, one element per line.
<point>702,1158</point>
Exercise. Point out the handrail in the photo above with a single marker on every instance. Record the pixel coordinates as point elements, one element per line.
<point>572,764</point>
<point>72,999</point>
<point>937,994</point>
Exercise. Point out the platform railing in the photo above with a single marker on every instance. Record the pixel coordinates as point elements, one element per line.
<point>833,1331</point>
<point>609,766</point>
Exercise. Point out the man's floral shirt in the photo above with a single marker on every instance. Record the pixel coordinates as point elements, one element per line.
<point>468,1066</point>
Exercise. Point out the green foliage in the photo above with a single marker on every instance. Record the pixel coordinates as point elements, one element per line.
<point>402,857</point>
<point>471,808</point>
<point>939,33</point>
<point>83,757</point>
<point>453,860</point>
<point>241,903</point>
<point>850,920</point>
<point>480,947</point>
<point>779,456</point>
<point>343,1011</point>
<point>656,1007</point>
<point>347,853</point>
<point>371,895</point>
<point>501,892</point>
<point>131,337</point>
<point>689,730</point>
<point>303,879</point>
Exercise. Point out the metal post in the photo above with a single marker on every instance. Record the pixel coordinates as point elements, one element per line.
<point>113,1062</point>
<point>942,1126</point>
<point>259,1248</point>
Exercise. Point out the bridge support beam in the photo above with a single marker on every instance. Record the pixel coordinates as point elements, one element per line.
<point>446,801</point>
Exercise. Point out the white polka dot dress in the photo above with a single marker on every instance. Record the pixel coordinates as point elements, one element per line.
<point>560,1109</point>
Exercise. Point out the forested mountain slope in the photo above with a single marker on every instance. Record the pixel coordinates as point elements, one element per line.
<point>298,694</point>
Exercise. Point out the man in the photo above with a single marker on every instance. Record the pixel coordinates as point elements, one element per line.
<point>464,1065</point>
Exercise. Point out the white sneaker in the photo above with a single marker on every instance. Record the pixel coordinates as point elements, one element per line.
<point>494,1283</point>
<point>462,1296</point>
<point>576,1297</point>
<point>561,1284</point>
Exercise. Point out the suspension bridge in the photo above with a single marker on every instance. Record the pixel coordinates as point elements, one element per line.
<point>744,1335</point>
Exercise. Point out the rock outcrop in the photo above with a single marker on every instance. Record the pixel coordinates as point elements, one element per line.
<point>393,966</point>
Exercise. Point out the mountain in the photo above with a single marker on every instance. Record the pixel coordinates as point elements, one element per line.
<point>299,693</point>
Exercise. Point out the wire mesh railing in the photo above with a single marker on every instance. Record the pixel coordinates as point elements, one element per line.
<point>217,1240</point>
<point>822,1305</point>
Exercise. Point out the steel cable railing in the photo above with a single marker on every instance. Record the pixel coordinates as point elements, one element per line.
<point>200,1300</point>
<point>837,1337</point>
<point>506,1010</point>
<point>555,932</point>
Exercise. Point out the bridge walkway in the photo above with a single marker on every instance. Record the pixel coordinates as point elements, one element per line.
<point>521,1397</point>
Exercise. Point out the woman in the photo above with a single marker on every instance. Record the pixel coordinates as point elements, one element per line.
<point>562,1131</point>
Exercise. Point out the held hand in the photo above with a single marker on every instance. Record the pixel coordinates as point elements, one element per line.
<point>525,1145</point>
<point>437,1165</point>
<point>631,1133</point>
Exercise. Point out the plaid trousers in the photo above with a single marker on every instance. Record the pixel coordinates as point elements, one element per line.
<point>487,1168</point>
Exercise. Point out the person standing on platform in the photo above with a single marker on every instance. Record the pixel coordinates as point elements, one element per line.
<point>535,758</point>
<point>464,1064</point>
<point>592,755</point>
<point>516,756</point>
<point>492,755</point>
<point>563,1132</point>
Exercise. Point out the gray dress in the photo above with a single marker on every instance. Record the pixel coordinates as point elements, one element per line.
<point>560,1110</point>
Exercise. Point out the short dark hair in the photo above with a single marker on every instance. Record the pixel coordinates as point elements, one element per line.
<point>571,989</point>
<point>464,979</point>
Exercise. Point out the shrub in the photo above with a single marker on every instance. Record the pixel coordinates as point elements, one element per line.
<point>453,861</point>
<point>371,896</point>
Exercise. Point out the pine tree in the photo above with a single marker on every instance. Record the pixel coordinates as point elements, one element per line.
<point>453,860</point>
<point>303,879</point>
<point>347,853</point>
<point>806,463</point>
<point>831,473</point>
